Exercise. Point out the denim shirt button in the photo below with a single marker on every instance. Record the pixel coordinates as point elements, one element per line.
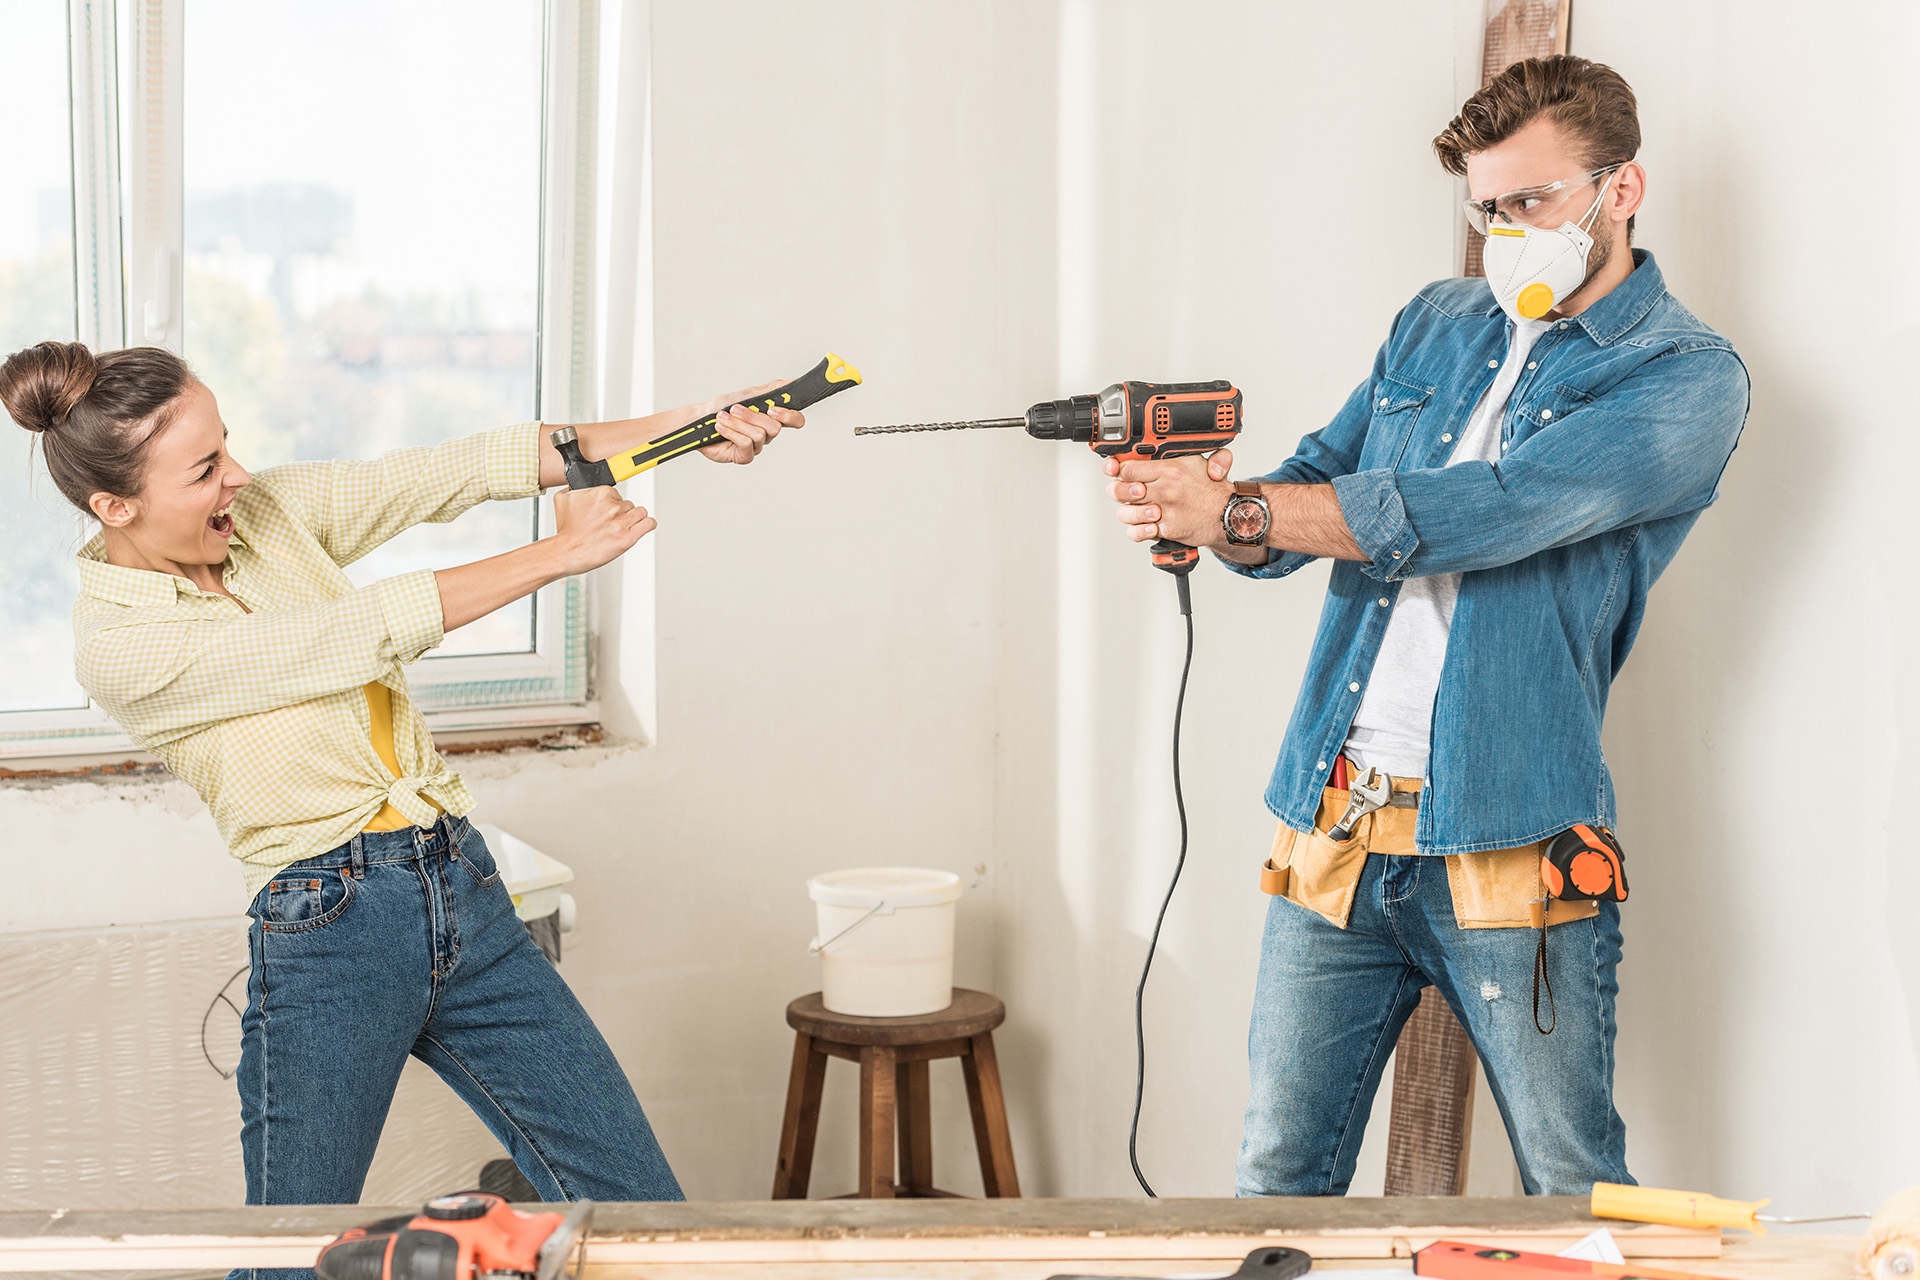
<point>1446,437</point>
<point>1493,364</point>
<point>1321,765</point>
<point>1383,602</point>
<point>1353,687</point>
<point>1546,413</point>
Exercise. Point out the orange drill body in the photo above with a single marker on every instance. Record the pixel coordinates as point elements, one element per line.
<point>1147,422</point>
<point>459,1237</point>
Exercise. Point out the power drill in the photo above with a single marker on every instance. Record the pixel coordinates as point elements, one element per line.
<point>1131,421</point>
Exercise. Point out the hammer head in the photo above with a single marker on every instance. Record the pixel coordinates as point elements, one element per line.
<point>581,474</point>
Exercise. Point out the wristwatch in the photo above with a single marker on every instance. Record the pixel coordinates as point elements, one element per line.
<point>1246,518</point>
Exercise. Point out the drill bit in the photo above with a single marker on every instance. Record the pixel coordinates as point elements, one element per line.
<point>941,426</point>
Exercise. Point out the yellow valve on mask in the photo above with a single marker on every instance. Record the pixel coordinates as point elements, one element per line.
<point>1534,301</point>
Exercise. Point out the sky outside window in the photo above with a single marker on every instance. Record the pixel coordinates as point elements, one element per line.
<point>362,242</point>
<point>40,530</point>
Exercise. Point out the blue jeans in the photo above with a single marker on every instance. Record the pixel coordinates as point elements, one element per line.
<point>1329,1005</point>
<point>405,942</point>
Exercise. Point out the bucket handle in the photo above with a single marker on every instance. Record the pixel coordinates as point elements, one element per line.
<point>815,947</point>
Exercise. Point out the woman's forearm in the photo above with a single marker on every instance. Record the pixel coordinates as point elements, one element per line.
<point>590,528</point>
<point>605,439</point>
<point>472,591</point>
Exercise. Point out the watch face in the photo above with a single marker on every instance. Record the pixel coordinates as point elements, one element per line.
<point>1246,518</point>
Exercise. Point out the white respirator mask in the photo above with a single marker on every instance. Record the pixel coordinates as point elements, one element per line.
<point>1535,269</point>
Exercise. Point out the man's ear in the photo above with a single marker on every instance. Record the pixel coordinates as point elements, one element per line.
<point>114,513</point>
<point>1628,193</point>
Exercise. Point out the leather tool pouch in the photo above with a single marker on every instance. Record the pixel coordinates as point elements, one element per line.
<point>1584,864</point>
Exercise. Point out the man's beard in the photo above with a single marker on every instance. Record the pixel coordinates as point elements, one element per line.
<point>1596,263</point>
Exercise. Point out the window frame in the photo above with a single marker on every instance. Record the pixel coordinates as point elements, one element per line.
<point>129,241</point>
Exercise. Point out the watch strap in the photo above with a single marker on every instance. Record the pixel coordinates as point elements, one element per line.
<point>1247,489</point>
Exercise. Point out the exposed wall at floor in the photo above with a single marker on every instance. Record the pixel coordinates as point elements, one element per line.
<point>937,650</point>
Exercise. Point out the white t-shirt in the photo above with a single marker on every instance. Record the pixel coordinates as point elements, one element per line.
<point>1393,728</point>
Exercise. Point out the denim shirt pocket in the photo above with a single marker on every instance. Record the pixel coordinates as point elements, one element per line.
<point>1397,405</point>
<point>1541,409</point>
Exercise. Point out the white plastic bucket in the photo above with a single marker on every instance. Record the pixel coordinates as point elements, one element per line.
<point>886,940</point>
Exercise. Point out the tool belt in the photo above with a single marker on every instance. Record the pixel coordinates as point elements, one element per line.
<point>1366,791</point>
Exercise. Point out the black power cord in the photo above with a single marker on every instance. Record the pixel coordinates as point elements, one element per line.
<point>219,998</point>
<point>1153,943</point>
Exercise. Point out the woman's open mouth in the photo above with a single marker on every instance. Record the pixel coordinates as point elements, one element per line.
<point>221,522</point>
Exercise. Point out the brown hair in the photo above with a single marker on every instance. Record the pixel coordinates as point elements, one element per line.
<point>94,414</point>
<point>1593,104</point>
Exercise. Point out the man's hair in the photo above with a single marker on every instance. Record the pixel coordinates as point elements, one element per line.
<point>1591,103</point>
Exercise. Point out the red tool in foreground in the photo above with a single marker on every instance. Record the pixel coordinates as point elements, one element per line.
<point>1452,1260</point>
<point>462,1237</point>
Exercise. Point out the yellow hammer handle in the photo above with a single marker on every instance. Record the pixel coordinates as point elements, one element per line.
<point>1674,1208</point>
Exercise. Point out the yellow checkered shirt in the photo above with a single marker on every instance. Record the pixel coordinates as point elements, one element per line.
<point>265,713</point>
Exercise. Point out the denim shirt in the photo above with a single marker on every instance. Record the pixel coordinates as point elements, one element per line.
<point>1612,444</point>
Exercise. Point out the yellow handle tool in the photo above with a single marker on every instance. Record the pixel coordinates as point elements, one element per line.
<point>831,376</point>
<point>1675,1208</point>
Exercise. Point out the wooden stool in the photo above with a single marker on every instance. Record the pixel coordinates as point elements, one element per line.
<point>893,1054</point>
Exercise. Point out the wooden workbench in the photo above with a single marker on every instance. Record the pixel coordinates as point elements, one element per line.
<point>934,1239</point>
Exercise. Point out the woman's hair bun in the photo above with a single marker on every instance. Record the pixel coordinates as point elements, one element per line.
<point>41,385</point>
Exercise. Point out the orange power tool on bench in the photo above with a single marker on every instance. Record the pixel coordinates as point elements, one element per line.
<point>1131,421</point>
<point>462,1237</point>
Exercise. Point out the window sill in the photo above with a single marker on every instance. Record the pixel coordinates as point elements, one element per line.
<point>138,766</point>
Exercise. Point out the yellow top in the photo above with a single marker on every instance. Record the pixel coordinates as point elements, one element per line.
<point>380,715</point>
<point>266,713</point>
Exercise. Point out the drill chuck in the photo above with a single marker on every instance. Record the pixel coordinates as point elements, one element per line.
<point>1069,419</point>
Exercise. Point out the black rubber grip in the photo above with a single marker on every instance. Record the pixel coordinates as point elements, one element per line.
<point>810,388</point>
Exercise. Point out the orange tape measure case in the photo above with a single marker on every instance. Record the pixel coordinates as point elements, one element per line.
<point>1584,864</point>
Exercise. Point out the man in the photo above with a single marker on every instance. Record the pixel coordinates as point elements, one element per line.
<point>1499,496</point>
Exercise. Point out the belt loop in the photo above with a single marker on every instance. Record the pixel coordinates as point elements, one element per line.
<point>359,855</point>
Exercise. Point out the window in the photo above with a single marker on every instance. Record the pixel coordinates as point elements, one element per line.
<point>365,225</point>
<point>37,579</point>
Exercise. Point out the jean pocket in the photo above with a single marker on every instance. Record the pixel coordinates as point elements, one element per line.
<point>471,851</point>
<point>305,898</point>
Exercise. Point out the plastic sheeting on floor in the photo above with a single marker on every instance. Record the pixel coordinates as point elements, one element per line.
<point>107,1099</point>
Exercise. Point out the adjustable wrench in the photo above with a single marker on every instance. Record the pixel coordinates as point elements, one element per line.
<point>1365,793</point>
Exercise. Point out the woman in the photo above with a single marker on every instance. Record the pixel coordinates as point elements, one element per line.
<point>215,625</point>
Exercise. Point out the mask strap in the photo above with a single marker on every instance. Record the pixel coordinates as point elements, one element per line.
<point>1593,210</point>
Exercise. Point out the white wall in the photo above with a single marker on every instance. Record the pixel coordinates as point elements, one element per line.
<point>937,649</point>
<point>1770,1038</point>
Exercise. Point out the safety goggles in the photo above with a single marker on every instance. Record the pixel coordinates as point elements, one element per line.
<point>1531,206</point>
